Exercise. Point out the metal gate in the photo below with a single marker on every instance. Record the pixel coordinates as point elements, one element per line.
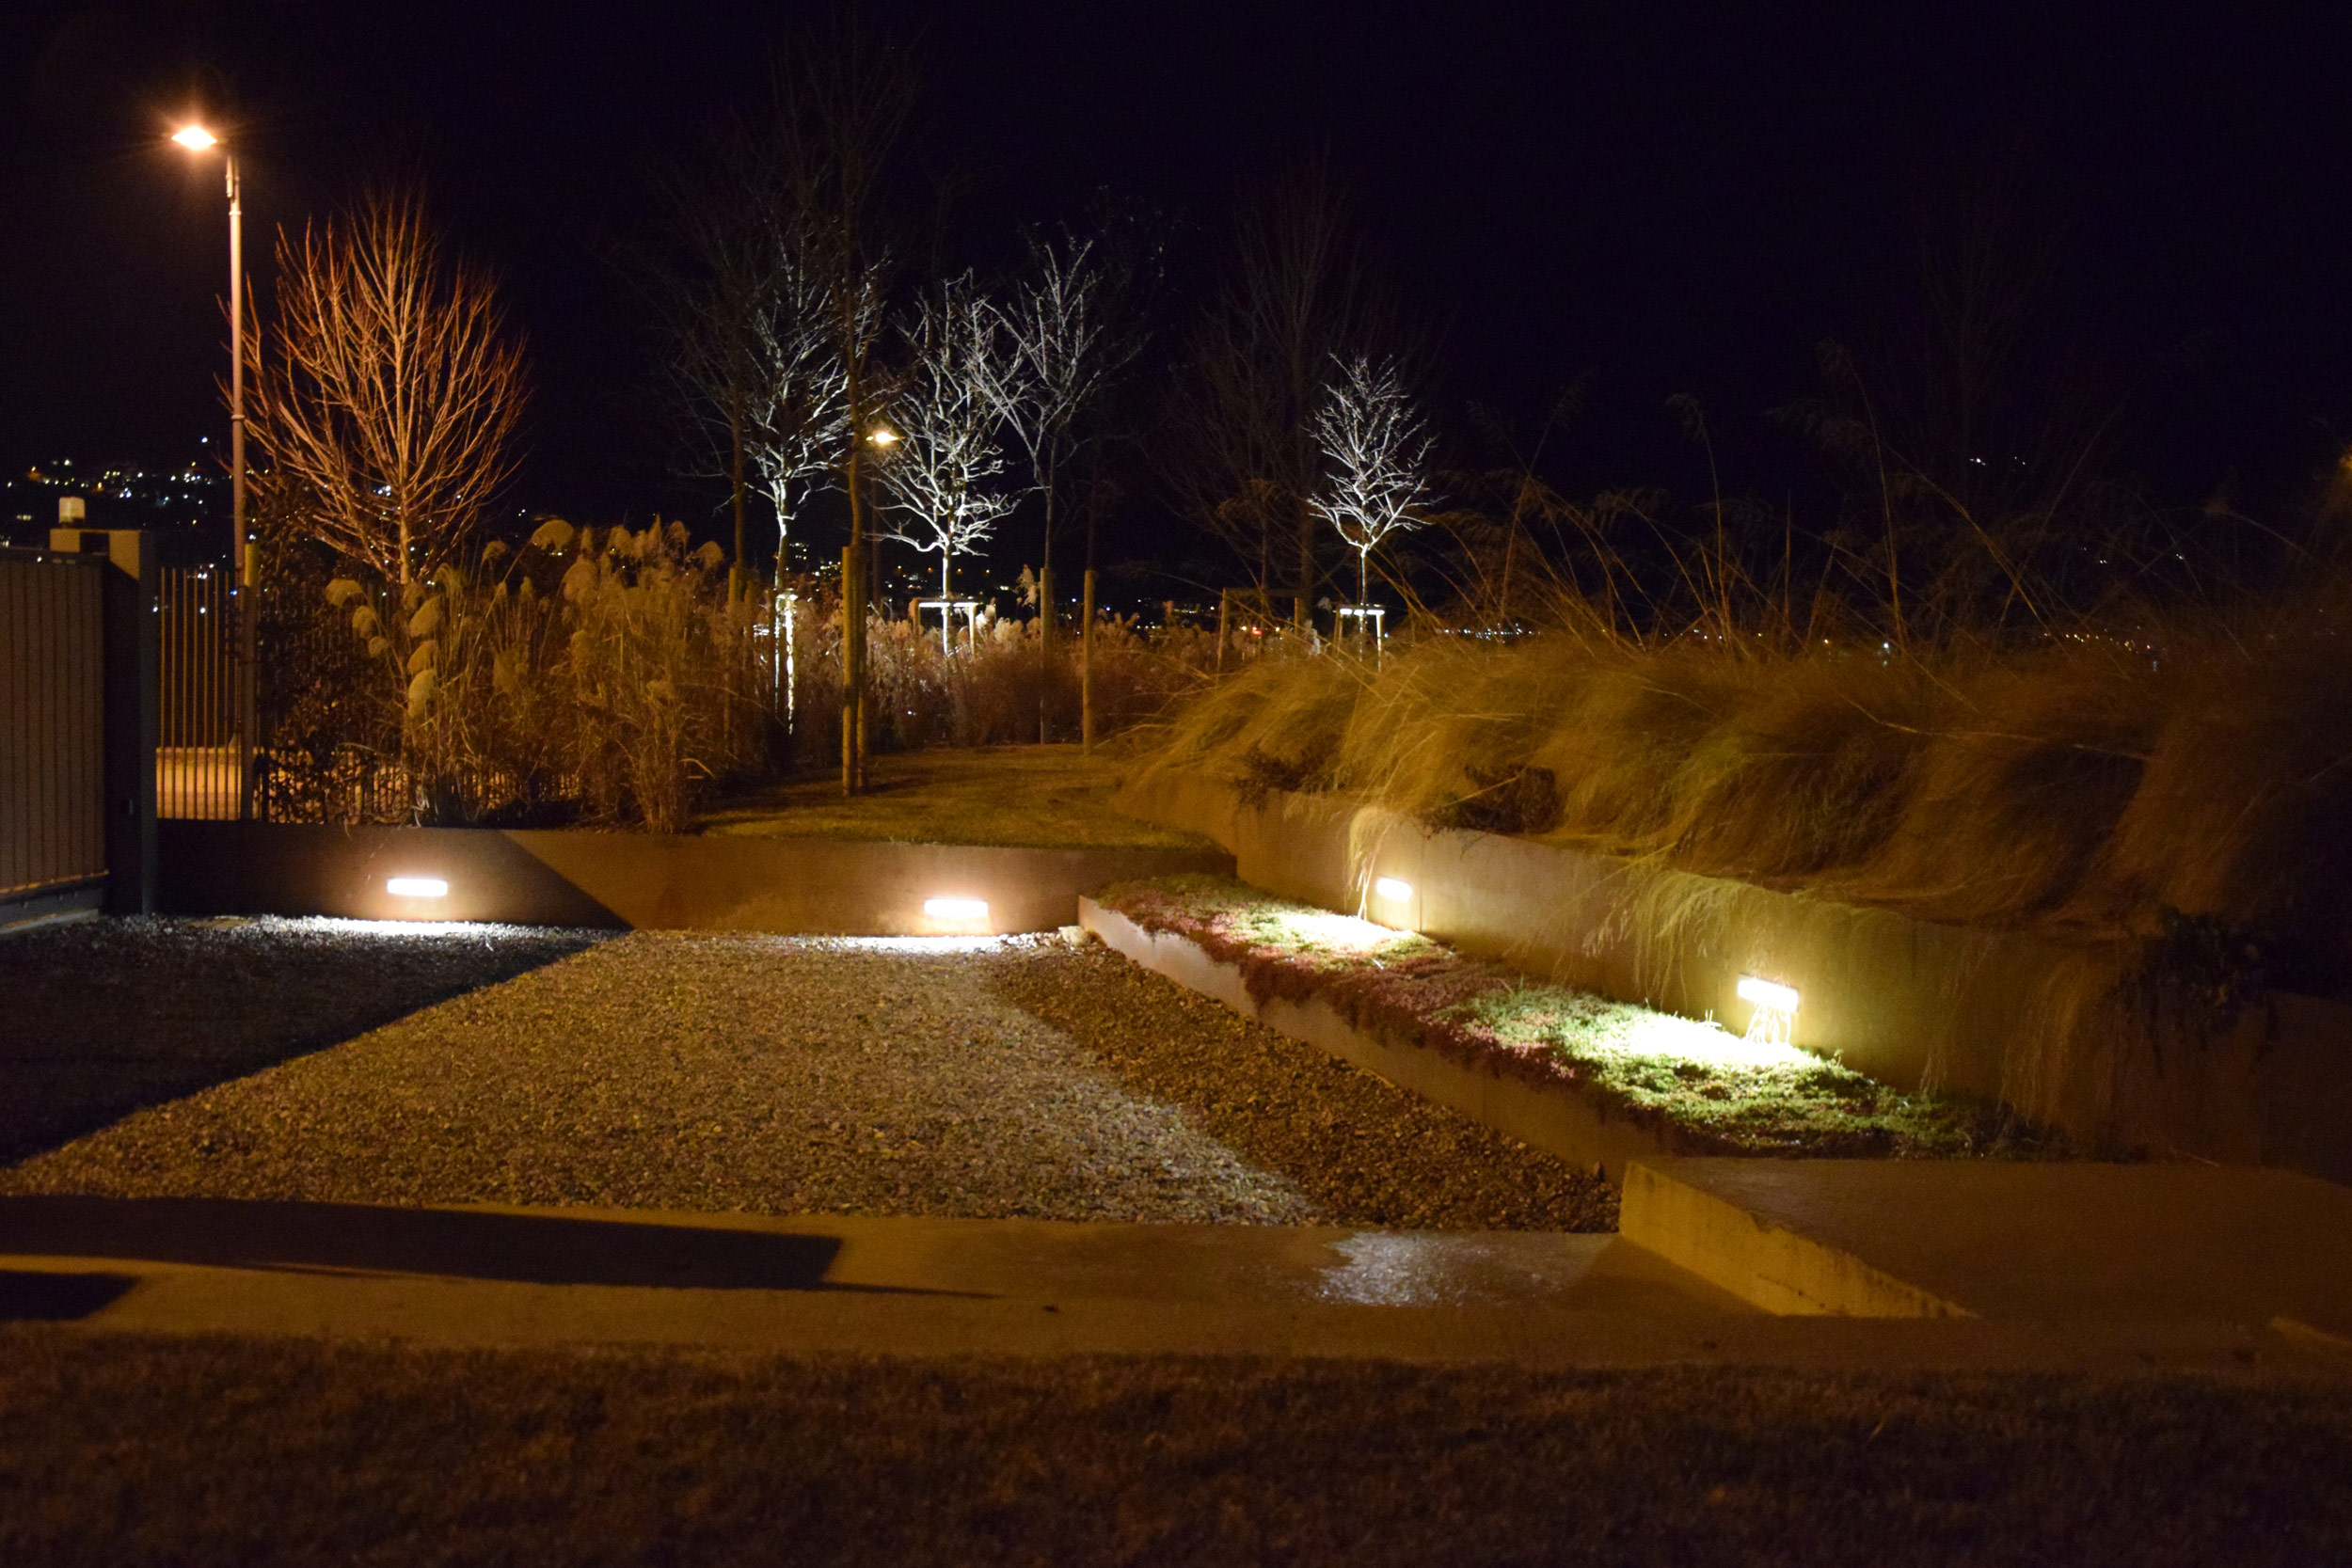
<point>53,727</point>
<point>200,756</point>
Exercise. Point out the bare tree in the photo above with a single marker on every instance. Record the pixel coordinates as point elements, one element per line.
<point>1066,347</point>
<point>389,392</point>
<point>1376,450</point>
<point>797,429</point>
<point>948,415</point>
<point>841,101</point>
<point>1299,295</point>
<point>707,286</point>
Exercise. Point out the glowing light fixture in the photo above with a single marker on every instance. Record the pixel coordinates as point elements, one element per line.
<point>956,909</point>
<point>1768,993</point>
<point>1390,887</point>
<point>195,137</point>
<point>417,887</point>
<point>884,436</point>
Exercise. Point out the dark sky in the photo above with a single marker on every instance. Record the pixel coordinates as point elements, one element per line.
<point>1664,198</point>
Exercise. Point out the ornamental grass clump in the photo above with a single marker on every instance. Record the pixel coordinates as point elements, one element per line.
<point>2097,783</point>
<point>660,676</point>
<point>1704,1089</point>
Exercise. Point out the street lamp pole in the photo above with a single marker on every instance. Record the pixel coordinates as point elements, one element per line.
<point>244,560</point>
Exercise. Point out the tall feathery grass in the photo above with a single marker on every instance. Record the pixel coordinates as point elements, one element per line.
<point>2181,776</point>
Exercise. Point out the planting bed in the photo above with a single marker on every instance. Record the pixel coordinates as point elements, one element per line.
<point>1694,1086</point>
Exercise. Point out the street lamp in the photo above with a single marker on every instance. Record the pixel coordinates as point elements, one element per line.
<point>243,567</point>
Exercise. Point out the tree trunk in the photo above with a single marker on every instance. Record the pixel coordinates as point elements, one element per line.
<point>739,575</point>
<point>1086,671</point>
<point>1045,652</point>
<point>1301,606</point>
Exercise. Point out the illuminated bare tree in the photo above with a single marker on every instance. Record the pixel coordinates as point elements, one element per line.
<point>1064,348</point>
<point>1375,453</point>
<point>389,390</point>
<point>1300,291</point>
<point>947,416</point>
<point>797,426</point>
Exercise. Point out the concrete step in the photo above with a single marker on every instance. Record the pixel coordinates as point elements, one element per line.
<point>863,1285</point>
<point>2051,1243</point>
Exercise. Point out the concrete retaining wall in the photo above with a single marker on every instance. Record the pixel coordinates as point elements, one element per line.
<point>818,887</point>
<point>2024,1017</point>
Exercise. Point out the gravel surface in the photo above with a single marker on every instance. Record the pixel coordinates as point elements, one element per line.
<point>709,1073</point>
<point>101,1017</point>
<point>1364,1150</point>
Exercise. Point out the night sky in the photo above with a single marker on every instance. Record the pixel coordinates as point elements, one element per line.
<point>1651,198</point>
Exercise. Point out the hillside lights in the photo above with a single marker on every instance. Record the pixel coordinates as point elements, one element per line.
<point>1776,1015</point>
<point>417,887</point>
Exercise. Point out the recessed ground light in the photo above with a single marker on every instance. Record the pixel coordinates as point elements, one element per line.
<point>418,887</point>
<point>1768,993</point>
<point>956,909</point>
<point>1390,887</point>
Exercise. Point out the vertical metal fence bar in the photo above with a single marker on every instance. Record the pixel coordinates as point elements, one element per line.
<point>52,726</point>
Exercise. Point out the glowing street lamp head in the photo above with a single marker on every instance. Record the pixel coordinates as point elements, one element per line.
<point>884,436</point>
<point>195,137</point>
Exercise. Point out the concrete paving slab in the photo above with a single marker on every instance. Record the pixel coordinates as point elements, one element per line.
<point>837,1284</point>
<point>2044,1242</point>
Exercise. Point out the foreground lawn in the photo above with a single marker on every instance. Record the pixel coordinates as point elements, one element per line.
<point>1045,796</point>
<point>199,1451</point>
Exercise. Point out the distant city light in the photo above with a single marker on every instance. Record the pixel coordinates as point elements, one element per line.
<point>417,887</point>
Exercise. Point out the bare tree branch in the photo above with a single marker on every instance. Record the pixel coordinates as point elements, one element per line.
<point>387,396</point>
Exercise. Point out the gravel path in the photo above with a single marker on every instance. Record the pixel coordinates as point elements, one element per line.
<point>1366,1151</point>
<point>101,1017</point>
<point>686,1072</point>
<point>713,1072</point>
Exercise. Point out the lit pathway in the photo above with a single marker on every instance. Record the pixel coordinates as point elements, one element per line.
<point>696,1072</point>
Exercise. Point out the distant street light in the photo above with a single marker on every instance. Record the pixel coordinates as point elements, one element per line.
<point>884,436</point>
<point>242,566</point>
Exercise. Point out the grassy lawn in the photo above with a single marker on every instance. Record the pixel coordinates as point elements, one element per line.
<point>199,1451</point>
<point>1047,796</point>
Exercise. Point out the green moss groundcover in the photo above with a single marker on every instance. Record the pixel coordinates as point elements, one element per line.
<point>1708,1091</point>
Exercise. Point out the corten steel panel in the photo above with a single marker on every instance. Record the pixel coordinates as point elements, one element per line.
<point>813,887</point>
<point>52,726</point>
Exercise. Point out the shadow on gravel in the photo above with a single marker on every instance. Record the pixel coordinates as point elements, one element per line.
<point>106,1016</point>
<point>534,1249</point>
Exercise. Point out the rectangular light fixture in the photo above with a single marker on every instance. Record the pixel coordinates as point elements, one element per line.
<point>1768,993</point>
<point>417,887</point>
<point>956,909</point>
<point>1390,887</point>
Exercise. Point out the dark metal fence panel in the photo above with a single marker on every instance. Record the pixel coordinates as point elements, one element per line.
<point>199,761</point>
<point>53,739</point>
